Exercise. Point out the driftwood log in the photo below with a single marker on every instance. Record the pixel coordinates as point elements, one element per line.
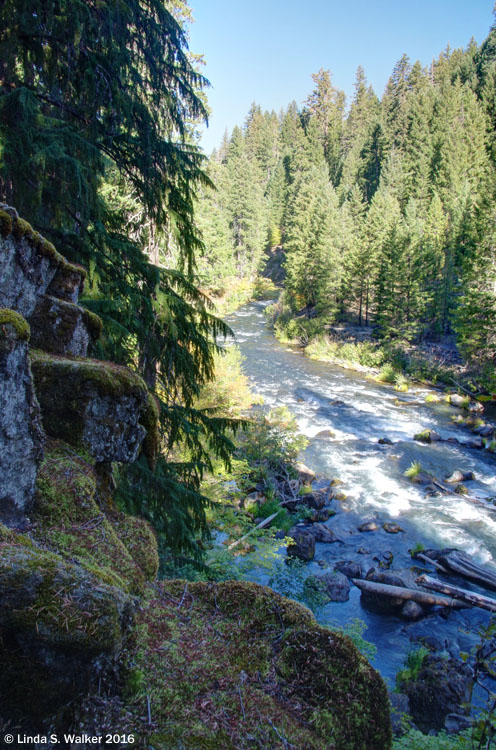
<point>399,592</point>
<point>260,525</point>
<point>463,565</point>
<point>475,600</point>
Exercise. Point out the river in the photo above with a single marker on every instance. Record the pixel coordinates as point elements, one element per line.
<point>358,411</point>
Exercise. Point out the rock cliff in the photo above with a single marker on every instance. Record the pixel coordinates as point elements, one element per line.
<point>89,640</point>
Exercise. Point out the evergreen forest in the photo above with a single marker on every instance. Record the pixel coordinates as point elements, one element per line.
<point>378,212</point>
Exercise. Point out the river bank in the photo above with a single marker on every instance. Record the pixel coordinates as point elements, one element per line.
<point>399,363</point>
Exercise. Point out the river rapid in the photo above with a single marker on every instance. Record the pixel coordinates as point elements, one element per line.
<point>358,411</point>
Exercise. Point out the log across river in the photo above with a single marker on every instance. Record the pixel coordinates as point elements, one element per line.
<point>352,413</point>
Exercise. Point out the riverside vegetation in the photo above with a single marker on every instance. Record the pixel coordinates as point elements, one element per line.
<point>115,466</point>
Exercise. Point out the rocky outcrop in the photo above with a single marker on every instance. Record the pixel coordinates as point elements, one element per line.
<point>62,327</point>
<point>91,404</point>
<point>265,660</point>
<point>21,436</point>
<point>61,627</point>
<point>29,264</point>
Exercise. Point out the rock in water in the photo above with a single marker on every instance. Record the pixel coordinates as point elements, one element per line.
<point>349,568</point>
<point>392,528</point>
<point>304,544</point>
<point>441,688</point>
<point>368,526</point>
<point>322,533</point>
<point>411,611</point>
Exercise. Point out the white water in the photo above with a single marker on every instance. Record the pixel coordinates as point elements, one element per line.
<point>359,412</point>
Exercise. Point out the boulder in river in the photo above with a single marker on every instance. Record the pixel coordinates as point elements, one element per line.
<point>441,688</point>
<point>315,500</point>
<point>331,587</point>
<point>459,476</point>
<point>392,528</point>
<point>322,533</point>
<point>427,436</point>
<point>303,544</point>
<point>349,568</point>
<point>304,473</point>
<point>476,442</point>
<point>385,441</point>
<point>368,526</point>
<point>411,611</point>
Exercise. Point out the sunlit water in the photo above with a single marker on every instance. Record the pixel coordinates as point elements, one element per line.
<point>359,412</point>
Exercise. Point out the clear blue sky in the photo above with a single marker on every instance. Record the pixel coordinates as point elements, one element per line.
<point>265,51</point>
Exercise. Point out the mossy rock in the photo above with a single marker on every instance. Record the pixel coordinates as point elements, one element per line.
<point>61,626</point>
<point>236,665</point>
<point>92,404</point>
<point>13,326</point>
<point>119,549</point>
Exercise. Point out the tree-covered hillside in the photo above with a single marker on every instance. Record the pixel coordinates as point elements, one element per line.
<point>384,208</point>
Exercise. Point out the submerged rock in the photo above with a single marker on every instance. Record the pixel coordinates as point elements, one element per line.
<point>411,611</point>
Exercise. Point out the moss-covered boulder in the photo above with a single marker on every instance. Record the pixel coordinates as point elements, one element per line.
<point>236,666</point>
<point>67,518</point>
<point>61,628</point>
<point>91,404</point>
<point>28,263</point>
<point>62,327</point>
<point>21,436</point>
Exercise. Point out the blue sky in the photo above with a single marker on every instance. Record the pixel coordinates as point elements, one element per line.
<point>266,50</point>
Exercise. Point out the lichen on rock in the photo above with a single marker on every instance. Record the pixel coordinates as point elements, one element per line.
<point>62,327</point>
<point>28,263</point>
<point>21,435</point>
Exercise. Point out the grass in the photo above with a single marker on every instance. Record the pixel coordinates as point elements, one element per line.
<point>413,470</point>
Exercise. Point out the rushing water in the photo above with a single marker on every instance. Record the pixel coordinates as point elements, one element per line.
<point>358,411</point>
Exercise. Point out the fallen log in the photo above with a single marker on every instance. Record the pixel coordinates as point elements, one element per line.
<point>463,565</point>
<point>399,592</point>
<point>260,525</point>
<point>431,562</point>
<point>475,600</point>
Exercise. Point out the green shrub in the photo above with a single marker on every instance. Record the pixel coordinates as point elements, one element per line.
<point>413,665</point>
<point>387,374</point>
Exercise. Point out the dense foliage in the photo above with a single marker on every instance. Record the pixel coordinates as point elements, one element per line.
<point>384,210</point>
<point>97,105</point>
